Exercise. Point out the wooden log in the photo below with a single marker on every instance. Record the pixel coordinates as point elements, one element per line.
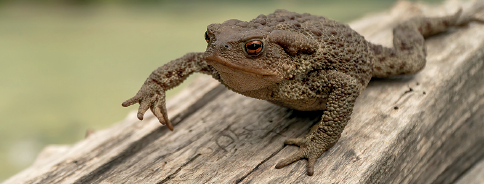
<point>426,128</point>
<point>474,176</point>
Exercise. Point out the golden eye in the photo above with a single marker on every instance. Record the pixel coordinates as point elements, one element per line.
<point>253,47</point>
<point>207,38</point>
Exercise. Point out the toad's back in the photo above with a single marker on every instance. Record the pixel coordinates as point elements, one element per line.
<point>340,47</point>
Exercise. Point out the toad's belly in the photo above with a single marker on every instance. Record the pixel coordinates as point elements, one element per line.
<point>306,104</point>
<point>310,104</point>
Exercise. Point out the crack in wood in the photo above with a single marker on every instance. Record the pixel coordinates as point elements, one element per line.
<point>465,160</point>
<point>418,173</point>
<point>78,162</point>
<point>135,146</point>
<point>258,165</point>
<point>466,171</point>
<point>129,151</point>
<point>171,176</point>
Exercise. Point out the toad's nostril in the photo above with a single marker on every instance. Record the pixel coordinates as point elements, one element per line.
<point>227,46</point>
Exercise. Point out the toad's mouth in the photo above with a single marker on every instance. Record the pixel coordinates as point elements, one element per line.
<point>261,72</point>
<point>242,79</point>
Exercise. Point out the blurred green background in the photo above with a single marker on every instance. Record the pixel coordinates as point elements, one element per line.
<point>66,65</point>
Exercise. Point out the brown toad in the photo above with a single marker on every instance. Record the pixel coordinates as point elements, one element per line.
<point>299,61</point>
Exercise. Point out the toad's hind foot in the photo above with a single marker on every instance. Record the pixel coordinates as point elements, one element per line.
<point>307,150</point>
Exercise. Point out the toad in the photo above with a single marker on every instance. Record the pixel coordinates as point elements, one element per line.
<point>299,61</point>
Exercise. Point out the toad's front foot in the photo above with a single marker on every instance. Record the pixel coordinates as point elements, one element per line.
<point>309,148</point>
<point>151,96</point>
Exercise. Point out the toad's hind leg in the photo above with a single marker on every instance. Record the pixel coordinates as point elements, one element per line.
<point>408,53</point>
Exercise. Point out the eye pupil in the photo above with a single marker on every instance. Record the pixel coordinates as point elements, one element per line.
<point>253,47</point>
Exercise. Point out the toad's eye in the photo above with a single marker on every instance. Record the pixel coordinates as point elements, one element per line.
<point>253,47</point>
<point>207,38</point>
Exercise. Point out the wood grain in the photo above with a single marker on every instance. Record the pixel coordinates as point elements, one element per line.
<point>474,176</point>
<point>426,128</point>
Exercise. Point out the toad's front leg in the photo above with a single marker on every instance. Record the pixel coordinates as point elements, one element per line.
<point>152,93</point>
<point>322,136</point>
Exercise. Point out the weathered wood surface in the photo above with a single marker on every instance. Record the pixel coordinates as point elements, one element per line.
<point>435,135</point>
<point>474,176</point>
